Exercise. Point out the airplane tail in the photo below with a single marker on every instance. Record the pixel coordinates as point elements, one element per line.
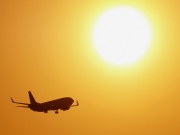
<point>32,100</point>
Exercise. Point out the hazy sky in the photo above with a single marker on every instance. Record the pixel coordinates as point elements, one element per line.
<point>46,47</point>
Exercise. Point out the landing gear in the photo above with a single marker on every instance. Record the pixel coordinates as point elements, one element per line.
<point>56,112</point>
<point>45,111</point>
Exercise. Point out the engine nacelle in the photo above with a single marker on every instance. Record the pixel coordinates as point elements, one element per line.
<point>64,108</point>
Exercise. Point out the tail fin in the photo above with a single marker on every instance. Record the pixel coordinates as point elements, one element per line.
<point>32,100</point>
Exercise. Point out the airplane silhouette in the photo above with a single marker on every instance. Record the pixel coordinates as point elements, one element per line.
<point>61,103</point>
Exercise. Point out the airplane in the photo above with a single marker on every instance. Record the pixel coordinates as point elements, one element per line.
<point>61,103</point>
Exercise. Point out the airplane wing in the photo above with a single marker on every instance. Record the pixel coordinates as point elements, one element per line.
<point>23,106</point>
<point>76,104</point>
<point>19,102</point>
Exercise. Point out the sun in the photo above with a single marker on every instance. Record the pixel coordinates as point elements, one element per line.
<point>122,35</point>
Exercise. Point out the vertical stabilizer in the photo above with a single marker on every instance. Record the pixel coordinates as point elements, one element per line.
<point>32,100</point>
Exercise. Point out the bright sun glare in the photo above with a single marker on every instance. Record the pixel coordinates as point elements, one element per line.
<point>122,35</point>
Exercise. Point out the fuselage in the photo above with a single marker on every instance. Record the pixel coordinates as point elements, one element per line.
<point>61,103</point>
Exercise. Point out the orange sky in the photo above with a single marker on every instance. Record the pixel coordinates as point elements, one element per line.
<point>46,47</point>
